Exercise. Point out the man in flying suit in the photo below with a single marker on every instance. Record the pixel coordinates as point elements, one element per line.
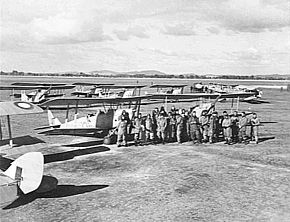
<point>213,127</point>
<point>255,122</point>
<point>235,127</point>
<point>204,121</point>
<point>122,131</point>
<point>180,125</point>
<point>226,124</point>
<point>171,127</point>
<point>149,128</point>
<point>243,121</point>
<point>162,126</point>
<point>194,126</point>
<point>137,128</point>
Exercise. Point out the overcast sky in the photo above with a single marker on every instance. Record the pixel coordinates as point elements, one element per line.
<point>173,36</point>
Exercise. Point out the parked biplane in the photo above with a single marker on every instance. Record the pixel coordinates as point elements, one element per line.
<point>255,97</point>
<point>23,176</point>
<point>175,93</point>
<point>99,122</point>
<point>108,90</point>
<point>88,89</point>
<point>38,92</point>
<point>16,108</point>
<point>174,89</point>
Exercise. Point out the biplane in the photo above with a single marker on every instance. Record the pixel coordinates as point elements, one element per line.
<point>38,92</point>
<point>88,89</point>
<point>255,96</point>
<point>16,108</point>
<point>175,93</point>
<point>22,177</point>
<point>99,122</point>
<point>174,89</point>
<point>109,90</point>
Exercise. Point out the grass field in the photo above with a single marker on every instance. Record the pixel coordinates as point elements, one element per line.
<point>171,182</point>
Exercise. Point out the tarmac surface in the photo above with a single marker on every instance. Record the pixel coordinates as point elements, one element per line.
<point>170,182</point>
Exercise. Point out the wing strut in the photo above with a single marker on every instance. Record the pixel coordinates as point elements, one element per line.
<point>67,113</point>
<point>76,110</point>
<point>238,103</point>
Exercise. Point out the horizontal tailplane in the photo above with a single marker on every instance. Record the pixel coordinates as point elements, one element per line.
<point>27,170</point>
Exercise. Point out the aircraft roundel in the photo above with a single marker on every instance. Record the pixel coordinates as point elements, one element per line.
<point>23,105</point>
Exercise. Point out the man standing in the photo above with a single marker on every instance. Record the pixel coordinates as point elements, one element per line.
<point>213,127</point>
<point>180,125</point>
<point>255,122</point>
<point>235,127</point>
<point>154,125</point>
<point>243,121</point>
<point>194,128</point>
<point>149,128</point>
<point>171,127</point>
<point>226,124</point>
<point>137,128</point>
<point>162,126</point>
<point>122,130</point>
<point>204,120</point>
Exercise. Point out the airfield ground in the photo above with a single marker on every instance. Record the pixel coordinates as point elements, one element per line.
<point>160,183</point>
<point>171,182</point>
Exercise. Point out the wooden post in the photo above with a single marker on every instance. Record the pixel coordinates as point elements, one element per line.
<point>1,135</point>
<point>9,132</point>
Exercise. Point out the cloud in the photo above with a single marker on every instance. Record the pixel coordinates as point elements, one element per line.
<point>67,29</point>
<point>249,16</point>
<point>249,57</point>
<point>136,31</point>
<point>181,29</point>
<point>213,30</point>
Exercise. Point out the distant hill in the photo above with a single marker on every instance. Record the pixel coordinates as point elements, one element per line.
<point>153,74</point>
<point>130,73</point>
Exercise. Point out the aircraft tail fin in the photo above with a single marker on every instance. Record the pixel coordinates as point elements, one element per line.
<point>24,97</point>
<point>53,121</point>
<point>27,170</point>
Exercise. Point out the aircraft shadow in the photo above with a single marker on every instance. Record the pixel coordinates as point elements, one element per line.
<point>265,138</point>
<point>5,163</point>
<point>22,141</point>
<point>55,157</point>
<point>85,144</point>
<point>258,102</point>
<point>59,192</point>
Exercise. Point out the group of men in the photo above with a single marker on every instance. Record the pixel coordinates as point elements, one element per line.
<point>179,125</point>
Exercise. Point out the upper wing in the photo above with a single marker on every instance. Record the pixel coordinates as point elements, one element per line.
<point>37,84</point>
<point>121,86</point>
<point>73,101</point>
<point>17,108</point>
<point>201,95</point>
<point>91,84</point>
<point>167,85</point>
<point>27,87</point>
